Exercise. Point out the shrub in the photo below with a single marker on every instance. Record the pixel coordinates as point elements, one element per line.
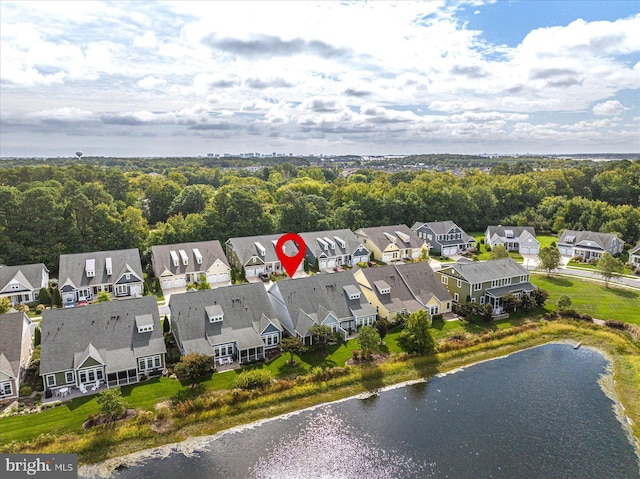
<point>25,391</point>
<point>615,324</point>
<point>437,317</point>
<point>253,379</point>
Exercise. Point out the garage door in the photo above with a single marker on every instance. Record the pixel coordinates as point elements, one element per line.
<point>322,264</point>
<point>449,251</point>
<point>564,251</point>
<point>386,258</point>
<point>179,282</point>
<point>331,263</point>
<point>218,277</point>
<point>166,283</point>
<point>528,250</point>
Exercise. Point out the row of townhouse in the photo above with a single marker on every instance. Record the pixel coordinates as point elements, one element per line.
<point>83,276</point>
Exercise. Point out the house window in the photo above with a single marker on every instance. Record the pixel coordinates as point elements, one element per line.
<point>523,278</point>
<point>448,306</point>
<point>477,286</point>
<point>122,289</point>
<point>444,279</point>
<point>6,389</point>
<point>51,380</point>
<point>150,362</point>
<point>14,287</point>
<point>482,300</point>
<point>68,377</point>
<point>271,339</point>
<point>90,375</point>
<point>456,297</point>
<point>224,350</point>
<point>459,283</point>
<point>430,237</point>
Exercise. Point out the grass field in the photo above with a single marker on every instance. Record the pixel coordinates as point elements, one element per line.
<point>592,297</point>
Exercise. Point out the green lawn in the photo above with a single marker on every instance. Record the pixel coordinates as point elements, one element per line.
<point>592,267</point>
<point>592,298</point>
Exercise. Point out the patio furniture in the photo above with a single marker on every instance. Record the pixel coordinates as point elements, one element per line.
<point>83,388</point>
<point>96,386</point>
<point>229,360</point>
<point>63,392</point>
<point>221,361</point>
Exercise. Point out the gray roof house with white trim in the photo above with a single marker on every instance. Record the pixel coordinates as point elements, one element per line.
<point>83,275</point>
<point>444,237</point>
<point>16,347</point>
<point>521,239</point>
<point>589,244</point>
<point>177,265</point>
<point>404,288</point>
<point>231,322</point>
<point>257,254</point>
<point>334,248</point>
<point>485,281</point>
<point>333,300</point>
<point>392,243</point>
<point>111,343</point>
<point>22,283</point>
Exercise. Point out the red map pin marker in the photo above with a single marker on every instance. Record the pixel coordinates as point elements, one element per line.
<point>290,263</point>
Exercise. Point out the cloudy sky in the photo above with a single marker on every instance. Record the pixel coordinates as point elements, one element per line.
<point>144,78</point>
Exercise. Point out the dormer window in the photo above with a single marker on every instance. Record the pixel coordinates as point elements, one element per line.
<point>108,266</point>
<point>174,258</point>
<point>184,257</point>
<point>90,268</point>
<point>144,323</point>
<point>198,255</point>
<point>382,287</point>
<point>214,313</point>
<point>352,292</point>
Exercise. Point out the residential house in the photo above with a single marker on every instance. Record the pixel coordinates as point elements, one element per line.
<point>403,288</point>
<point>15,352</point>
<point>109,344</point>
<point>445,238</point>
<point>634,256</point>
<point>521,239</point>
<point>257,254</point>
<point>334,248</point>
<point>392,243</point>
<point>231,323</point>
<point>83,275</point>
<point>22,284</point>
<point>486,281</point>
<point>588,245</point>
<point>333,300</point>
<point>177,265</point>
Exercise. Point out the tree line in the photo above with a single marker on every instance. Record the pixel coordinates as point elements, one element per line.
<point>48,210</point>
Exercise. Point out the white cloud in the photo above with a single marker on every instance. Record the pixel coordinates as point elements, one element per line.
<point>608,108</point>
<point>151,82</point>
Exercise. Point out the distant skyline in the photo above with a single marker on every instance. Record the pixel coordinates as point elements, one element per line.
<point>369,78</point>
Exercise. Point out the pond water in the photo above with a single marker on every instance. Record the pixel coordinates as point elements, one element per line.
<point>537,413</point>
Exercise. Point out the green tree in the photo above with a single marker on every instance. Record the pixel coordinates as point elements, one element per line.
<point>37,336</point>
<point>564,302</point>
<point>5,305</point>
<point>510,303</point>
<point>415,337</point>
<point>111,403</point>
<point>383,326</point>
<point>609,267</point>
<point>103,296</point>
<point>192,199</point>
<point>44,297</point>
<point>193,366</point>
<point>549,258</point>
<point>321,335</point>
<point>369,341</point>
<point>292,346</point>
<point>253,379</point>
<point>166,325</point>
<point>499,252</point>
<point>57,298</point>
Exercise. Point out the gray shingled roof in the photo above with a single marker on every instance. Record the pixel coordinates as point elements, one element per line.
<point>72,267</point>
<point>479,272</point>
<point>603,240</point>
<point>108,328</point>
<point>635,250</point>
<point>31,274</point>
<point>313,246</point>
<point>210,251</point>
<point>412,285</point>
<point>245,247</point>
<point>499,292</point>
<point>517,231</point>
<point>309,299</point>
<point>245,307</point>
<point>377,236</point>
<point>11,342</point>
<point>442,228</point>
